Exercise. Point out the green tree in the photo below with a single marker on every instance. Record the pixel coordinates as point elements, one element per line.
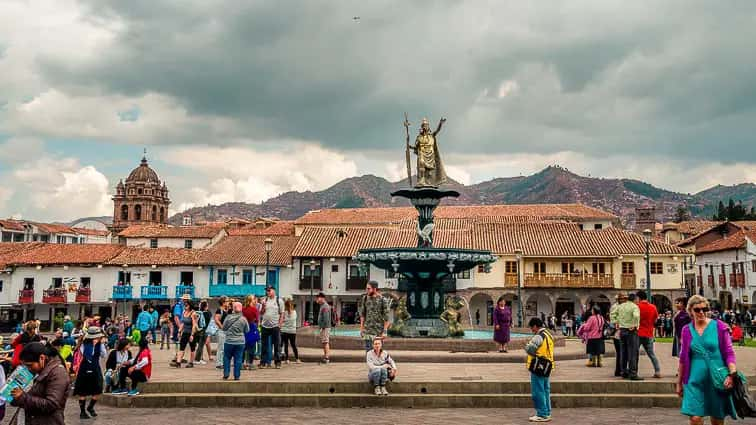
<point>682,214</point>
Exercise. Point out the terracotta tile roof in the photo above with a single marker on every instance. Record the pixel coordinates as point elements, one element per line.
<point>735,241</point>
<point>692,227</point>
<point>9,251</point>
<point>535,239</point>
<point>68,254</point>
<point>166,231</point>
<point>92,232</point>
<point>53,228</point>
<point>12,225</point>
<point>134,256</point>
<point>250,250</point>
<point>393,215</point>
<point>279,228</point>
<point>745,224</point>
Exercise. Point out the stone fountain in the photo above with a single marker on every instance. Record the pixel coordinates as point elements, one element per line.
<point>425,273</point>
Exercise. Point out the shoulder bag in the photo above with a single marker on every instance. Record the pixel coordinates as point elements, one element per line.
<point>541,366</point>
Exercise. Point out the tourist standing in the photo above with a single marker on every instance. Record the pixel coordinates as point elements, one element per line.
<point>541,345</point>
<point>592,332</point>
<point>289,331</point>
<point>165,330</point>
<point>219,317</point>
<point>502,321</point>
<point>324,324</point>
<point>381,367</point>
<point>204,317</point>
<point>29,335</point>
<point>235,326</point>
<point>89,374</point>
<point>681,319</point>
<point>628,317</point>
<point>68,324</point>
<point>619,359</point>
<point>648,316</point>
<point>45,401</point>
<point>250,312</point>
<point>143,324</point>
<point>271,321</point>
<point>705,346</point>
<point>178,314</point>
<point>373,311</point>
<point>153,329</point>
<point>187,330</point>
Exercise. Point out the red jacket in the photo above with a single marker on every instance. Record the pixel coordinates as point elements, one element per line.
<point>147,369</point>
<point>250,313</point>
<point>648,316</point>
<point>737,333</point>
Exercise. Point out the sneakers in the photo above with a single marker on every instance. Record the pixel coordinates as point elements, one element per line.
<point>189,365</point>
<point>384,391</point>
<point>325,360</point>
<point>537,418</point>
<point>378,391</point>
<point>202,362</point>
<point>119,392</point>
<point>298,361</point>
<point>176,365</point>
<point>133,393</point>
<point>278,365</point>
<point>657,375</point>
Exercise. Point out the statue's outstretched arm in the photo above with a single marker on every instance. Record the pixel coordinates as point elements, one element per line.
<point>440,124</point>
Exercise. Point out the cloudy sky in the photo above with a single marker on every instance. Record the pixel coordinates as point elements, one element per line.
<point>240,101</point>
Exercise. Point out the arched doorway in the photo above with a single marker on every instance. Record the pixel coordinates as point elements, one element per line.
<point>566,303</point>
<point>600,300</point>
<point>538,305</point>
<point>481,309</point>
<point>662,303</point>
<point>725,300</point>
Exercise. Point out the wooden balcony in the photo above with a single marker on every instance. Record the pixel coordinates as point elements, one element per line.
<point>737,280</point>
<point>84,295</point>
<point>560,280</point>
<point>317,283</point>
<point>26,296</point>
<point>54,296</point>
<point>628,281</point>
<point>354,283</point>
<point>710,280</point>
<point>510,280</point>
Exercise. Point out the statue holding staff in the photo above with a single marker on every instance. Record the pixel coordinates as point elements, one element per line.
<point>430,169</point>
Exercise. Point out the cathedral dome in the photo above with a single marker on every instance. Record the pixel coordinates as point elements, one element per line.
<point>143,174</point>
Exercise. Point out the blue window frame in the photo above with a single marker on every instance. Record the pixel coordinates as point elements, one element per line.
<point>247,276</point>
<point>222,277</point>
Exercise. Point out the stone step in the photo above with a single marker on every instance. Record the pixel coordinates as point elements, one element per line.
<point>463,385</point>
<point>394,400</point>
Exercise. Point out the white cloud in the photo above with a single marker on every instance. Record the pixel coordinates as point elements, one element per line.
<point>20,148</point>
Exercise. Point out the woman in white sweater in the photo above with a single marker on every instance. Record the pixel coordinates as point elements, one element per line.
<point>381,367</point>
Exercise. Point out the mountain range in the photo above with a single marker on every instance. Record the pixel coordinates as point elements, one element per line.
<point>553,184</point>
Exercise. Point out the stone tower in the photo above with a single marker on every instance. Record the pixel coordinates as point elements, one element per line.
<point>142,199</point>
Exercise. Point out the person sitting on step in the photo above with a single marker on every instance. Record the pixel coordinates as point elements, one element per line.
<point>381,367</point>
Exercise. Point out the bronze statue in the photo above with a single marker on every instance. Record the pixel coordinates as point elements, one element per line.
<point>430,169</point>
<point>451,316</point>
<point>401,316</point>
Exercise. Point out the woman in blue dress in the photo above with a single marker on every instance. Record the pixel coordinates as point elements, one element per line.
<point>705,344</point>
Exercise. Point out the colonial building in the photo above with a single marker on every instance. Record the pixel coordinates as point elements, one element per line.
<point>31,231</point>
<point>143,199</point>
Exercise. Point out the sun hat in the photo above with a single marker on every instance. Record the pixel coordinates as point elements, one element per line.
<point>94,332</point>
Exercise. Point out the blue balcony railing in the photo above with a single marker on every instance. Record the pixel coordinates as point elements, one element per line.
<point>181,290</point>
<point>154,292</point>
<point>122,292</point>
<point>236,290</point>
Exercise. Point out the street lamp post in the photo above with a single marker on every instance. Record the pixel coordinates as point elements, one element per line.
<point>647,236</point>
<point>268,248</point>
<point>312,284</point>
<point>518,254</point>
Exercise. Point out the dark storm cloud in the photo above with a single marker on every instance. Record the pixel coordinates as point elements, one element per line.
<point>675,78</point>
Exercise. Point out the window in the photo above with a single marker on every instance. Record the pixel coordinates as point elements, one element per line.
<point>162,214</point>
<point>188,244</point>
<point>628,267</point>
<point>1,286</point>
<point>306,272</point>
<point>156,278</point>
<point>247,276</point>
<point>57,282</point>
<point>464,275</point>
<point>222,276</point>
<point>124,278</point>
<point>355,271</point>
<point>139,191</point>
<point>657,267</point>
<point>539,267</point>
<point>154,213</point>
<point>510,267</point>
<point>187,220</point>
<point>153,243</point>
<point>187,278</point>
<point>580,226</point>
<point>28,283</point>
<point>598,226</point>
<point>137,212</point>
<point>85,281</point>
<point>334,268</point>
<point>599,268</point>
<point>753,266</point>
<point>124,212</point>
<point>569,268</point>
<point>60,239</point>
<point>390,274</point>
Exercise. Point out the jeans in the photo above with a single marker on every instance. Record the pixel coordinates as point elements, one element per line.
<point>153,333</point>
<point>378,377</point>
<point>368,343</point>
<point>289,338</point>
<point>540,391</point>
<point>201,338</point>
<point>274,336</point>
<point>619,366</point>
<point>648,346</point>
<point>630,347</point>
<point>249,352</point>
<point>236,352</point>
<point>165,338</point>
<point>221,345</point>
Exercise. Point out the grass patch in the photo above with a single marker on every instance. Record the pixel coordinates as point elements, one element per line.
<point>748,342</point>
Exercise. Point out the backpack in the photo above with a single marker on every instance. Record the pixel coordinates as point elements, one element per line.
<point>201,320</point>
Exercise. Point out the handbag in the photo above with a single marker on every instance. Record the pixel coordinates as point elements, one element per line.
<point>745,407</point>
<point>541,366</point>
<point>252,336</point>
<point>212,328</point>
